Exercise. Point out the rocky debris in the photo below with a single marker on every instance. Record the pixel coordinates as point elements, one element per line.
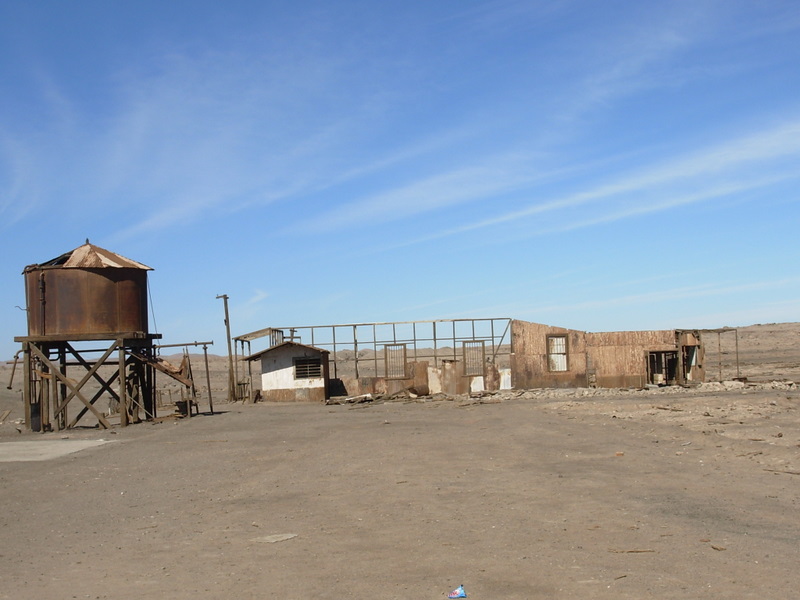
<point>496,396</point>
<point>339,400</point>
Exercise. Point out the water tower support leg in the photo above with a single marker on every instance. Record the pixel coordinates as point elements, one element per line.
<point>123,394</point>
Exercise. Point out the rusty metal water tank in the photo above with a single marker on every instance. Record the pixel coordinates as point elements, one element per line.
<point>86,293</point>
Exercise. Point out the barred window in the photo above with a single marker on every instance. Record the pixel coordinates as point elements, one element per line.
<point>474,357</point>
<point>557,353</point>
<point>395,359</point>
<point>307,368</point>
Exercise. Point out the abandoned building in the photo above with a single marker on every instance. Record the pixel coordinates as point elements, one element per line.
<point>464,355</point>
<point>293,372</point>
<point>547,356</point>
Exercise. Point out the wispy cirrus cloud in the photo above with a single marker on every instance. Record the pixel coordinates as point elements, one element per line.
<point>731,167</point>
<point>18,192</point>
<point>429,194</point>
<point>676,293</point>
<point>665,296</point>
<point>673,201</point>
<point>257,297</point>
<point>184,133</point>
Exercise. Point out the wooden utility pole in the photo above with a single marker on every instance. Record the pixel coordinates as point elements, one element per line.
<point>231,380</point>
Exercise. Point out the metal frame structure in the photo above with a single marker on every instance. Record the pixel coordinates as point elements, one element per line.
<point>80,298</point>
<point>48,388</point>
<point>435,341</point>
<point>719,333</point>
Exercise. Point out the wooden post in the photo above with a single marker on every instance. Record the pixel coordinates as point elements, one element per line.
<point>61,418</point>
<point>123,392</point>
<point>56,415</point>
<point>44,410</point>
<point>235,369</point>
<point>26,383</point>
<point>150,384</point>
<point>208,380</point>
<point>190,391</point>
<point>231,380</point>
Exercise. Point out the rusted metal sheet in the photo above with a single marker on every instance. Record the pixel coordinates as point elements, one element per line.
<point>653,340</point>
<point>86,294</point>
<point>608,359</point>
<point>86,301</point>
<point>90,256</point>
<point>88,291</point>
<point>530,367</point>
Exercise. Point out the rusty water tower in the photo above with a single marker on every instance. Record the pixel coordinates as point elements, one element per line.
<point>87,295</point>
<point>87,292</point>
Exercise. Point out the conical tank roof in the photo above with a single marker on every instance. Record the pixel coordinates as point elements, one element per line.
<point>90,256</point>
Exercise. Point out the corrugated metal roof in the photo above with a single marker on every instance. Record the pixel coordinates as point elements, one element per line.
<point>258,355</point>
<point>254,335</point>
<point>90,256</point>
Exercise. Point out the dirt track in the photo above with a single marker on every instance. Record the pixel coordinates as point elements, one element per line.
<point>635,495</point>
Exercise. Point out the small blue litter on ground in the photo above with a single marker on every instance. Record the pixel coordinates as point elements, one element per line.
<point>458,593</point>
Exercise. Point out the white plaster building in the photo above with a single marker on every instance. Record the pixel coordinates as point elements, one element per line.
<point>292,372</point>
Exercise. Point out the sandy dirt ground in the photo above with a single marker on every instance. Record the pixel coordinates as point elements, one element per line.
<point>573,494</point>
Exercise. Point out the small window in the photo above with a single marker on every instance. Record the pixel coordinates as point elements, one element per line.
<point>557,353</point>
<point>395,359</point>
<point>474,358</point>
<point>307,368</point>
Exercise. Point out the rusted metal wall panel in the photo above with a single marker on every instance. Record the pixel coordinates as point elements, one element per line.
<point>529,363</point>
<point>86,301</point>
<point>690,338</point>
<point>621,381</point>
<point>619,358</point>
<point>607,359</point>
<point>619,366</point>
<point>695,372</point>
<point>656,340</point>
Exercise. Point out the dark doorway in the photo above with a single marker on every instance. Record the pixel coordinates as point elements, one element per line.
<point>663,367</point>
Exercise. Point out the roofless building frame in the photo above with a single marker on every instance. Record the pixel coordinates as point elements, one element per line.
<point>369,349</point>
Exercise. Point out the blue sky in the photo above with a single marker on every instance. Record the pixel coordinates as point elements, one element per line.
<point>595,165</point>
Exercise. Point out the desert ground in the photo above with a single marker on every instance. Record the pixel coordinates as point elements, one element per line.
<point>569,494</point>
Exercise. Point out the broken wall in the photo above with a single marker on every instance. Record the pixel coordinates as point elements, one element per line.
<point>619,359</point>
<point>424,378</point>
<point>530,363</point>
<point>696,354</point>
